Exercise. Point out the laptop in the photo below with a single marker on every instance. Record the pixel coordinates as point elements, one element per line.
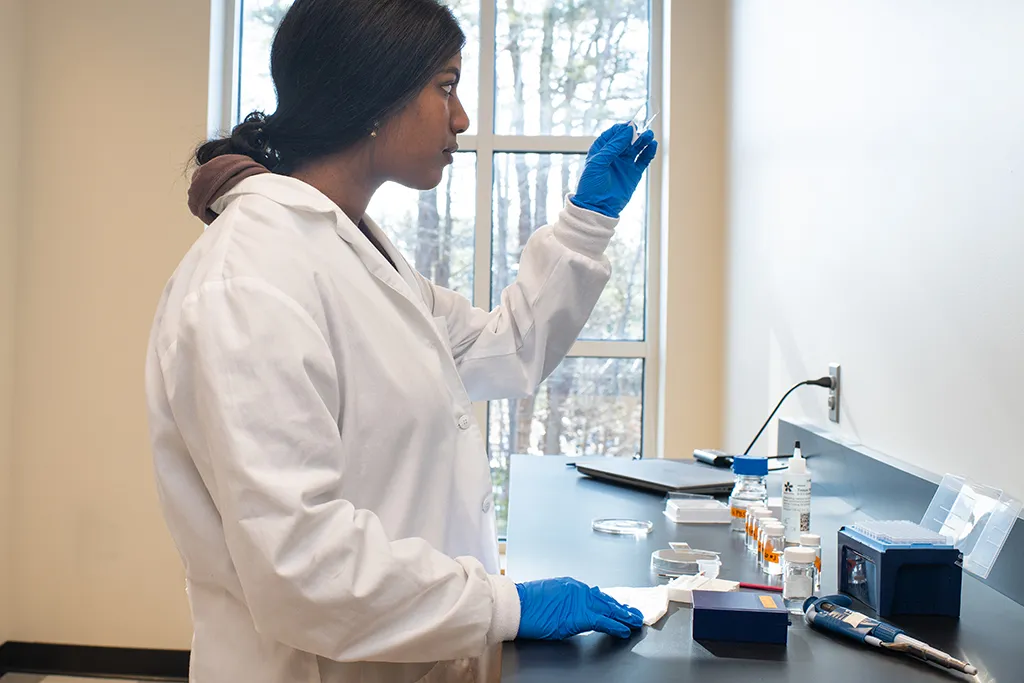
<point>662,476</point>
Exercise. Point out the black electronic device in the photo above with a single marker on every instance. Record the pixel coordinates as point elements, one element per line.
<point>663,476</point>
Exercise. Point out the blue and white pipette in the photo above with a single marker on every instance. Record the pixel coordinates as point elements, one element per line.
<point>832,613</point>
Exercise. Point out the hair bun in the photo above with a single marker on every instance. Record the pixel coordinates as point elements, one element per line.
<point>251,139</point>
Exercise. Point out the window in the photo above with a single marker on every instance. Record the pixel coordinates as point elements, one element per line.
<point>541,78</point>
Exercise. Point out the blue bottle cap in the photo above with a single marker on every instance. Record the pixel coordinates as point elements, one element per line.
<point>749,466</point>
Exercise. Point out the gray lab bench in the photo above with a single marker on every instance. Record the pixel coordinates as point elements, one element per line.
<point>549,534</point>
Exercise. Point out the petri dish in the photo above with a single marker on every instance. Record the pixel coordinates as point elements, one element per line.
<point>684,562</point>
<point>623,527</point>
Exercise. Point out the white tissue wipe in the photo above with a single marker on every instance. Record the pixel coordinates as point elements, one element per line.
<point>652,602</point>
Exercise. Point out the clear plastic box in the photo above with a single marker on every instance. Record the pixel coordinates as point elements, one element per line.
<point>973,517</point>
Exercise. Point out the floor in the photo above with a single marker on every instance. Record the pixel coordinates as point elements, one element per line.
<point>28,678</point>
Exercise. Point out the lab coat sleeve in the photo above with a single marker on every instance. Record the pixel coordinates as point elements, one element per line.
<point>509,351</point>
<point>318,575</point>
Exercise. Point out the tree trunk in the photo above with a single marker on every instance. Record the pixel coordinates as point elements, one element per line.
<point>524,422</point>
<point>444,261</point>
<point>525,206</point>
<point>515,34</point>
<point>627,310</point>
<point>547,115</point>
<point>559,390</point>
<point>565,175</point>
<point>501,274</point>
<point>427,234</point>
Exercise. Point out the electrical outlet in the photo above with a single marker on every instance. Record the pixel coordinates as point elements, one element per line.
<point>833,393</point>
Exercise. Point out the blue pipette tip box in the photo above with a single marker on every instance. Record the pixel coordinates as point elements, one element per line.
<point>740,617</point>
<point>899,568</point>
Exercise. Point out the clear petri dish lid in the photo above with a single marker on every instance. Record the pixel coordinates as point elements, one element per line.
<point>623,527</point>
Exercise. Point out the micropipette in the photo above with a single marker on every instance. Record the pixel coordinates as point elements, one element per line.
<point>832,613</point>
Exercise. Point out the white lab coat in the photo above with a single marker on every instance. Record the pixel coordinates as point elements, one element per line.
<point>316,455</point>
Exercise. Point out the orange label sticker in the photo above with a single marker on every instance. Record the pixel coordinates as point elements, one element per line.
<point>817,564</point>
<point>768,601</point>
<point>739,513</point>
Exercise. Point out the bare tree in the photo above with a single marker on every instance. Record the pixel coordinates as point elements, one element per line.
<point>427,243</point>
<point>443,275</point>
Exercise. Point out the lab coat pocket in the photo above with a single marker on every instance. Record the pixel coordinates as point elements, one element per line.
<point>441,323</point>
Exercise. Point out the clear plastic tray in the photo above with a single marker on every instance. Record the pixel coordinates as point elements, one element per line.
<point>973,517</point>
<point>690,508</point>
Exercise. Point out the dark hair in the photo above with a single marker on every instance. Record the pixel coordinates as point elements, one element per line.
<point>340,67</point>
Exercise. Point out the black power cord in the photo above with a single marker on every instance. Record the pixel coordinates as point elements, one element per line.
<point>820,382</point>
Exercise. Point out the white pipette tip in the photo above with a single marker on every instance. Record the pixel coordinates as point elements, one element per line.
<point>970,670</point>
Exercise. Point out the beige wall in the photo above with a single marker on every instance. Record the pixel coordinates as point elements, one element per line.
<point>877,220</point>
<point>11,29</point>
<point>692,331</point>
<point>116,97</point>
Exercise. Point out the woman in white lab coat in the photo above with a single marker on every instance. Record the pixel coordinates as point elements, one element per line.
<point>310,394</point>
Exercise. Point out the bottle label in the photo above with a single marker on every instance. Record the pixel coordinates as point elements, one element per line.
<point>817,563</point>
<point>739,513</point>
<point>770,554</point>
<point>796,508</point>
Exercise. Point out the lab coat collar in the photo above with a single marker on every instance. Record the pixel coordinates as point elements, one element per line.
<point>404,270</point>
<point>296,194</point>
<point>281,189</point>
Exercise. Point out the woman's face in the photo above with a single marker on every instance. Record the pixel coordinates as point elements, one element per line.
<point>414,146</point>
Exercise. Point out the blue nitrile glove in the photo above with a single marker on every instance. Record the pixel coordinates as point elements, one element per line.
<point>614,167</point>
<point>554,609</point>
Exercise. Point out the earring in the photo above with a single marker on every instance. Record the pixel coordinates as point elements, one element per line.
<point>376,127</point>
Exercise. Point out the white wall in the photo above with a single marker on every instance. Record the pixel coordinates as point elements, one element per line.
<point>877,220</point>
<point>116,96</point>
<point>11,29</point>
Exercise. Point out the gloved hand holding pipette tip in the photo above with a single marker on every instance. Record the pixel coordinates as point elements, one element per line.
<point>613,169</point>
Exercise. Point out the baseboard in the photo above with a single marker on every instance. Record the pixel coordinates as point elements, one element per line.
<point>106,662</point>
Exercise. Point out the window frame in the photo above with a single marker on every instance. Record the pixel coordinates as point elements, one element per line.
<point>224,97</point>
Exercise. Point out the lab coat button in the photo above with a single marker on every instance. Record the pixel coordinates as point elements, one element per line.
<point>464,422</point>
<point>486,507</point>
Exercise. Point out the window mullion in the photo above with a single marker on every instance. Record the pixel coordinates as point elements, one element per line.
<point>543,144</point>
<point>608,349</point>
<point>484,144</point>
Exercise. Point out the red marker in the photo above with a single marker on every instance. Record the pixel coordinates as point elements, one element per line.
<point>759,587</point>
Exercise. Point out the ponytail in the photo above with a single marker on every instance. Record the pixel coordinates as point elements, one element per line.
<point>249,138</point>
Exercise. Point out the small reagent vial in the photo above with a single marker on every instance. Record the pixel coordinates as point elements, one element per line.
<point>761,524</point>
<point>814,541</point>
<point>774,544</point>
<point>750,488</point>
<point>754,513</point>
<point>798,581</point>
